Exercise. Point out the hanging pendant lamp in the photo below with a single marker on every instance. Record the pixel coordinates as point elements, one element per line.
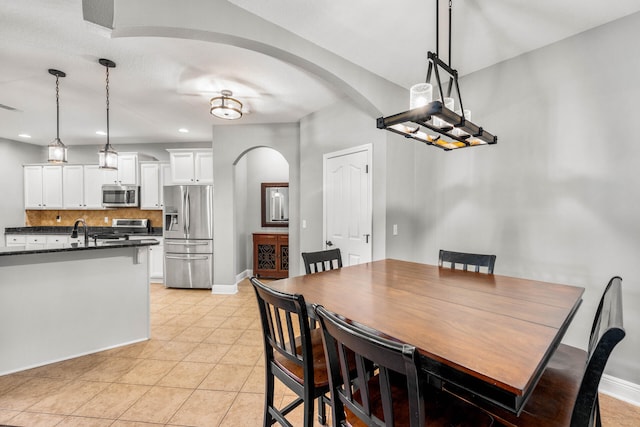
<point>57,151</point>
<point>438,123</point>
<point>108,156</point>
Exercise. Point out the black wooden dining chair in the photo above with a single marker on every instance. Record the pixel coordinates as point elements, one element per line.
<point>293,353</point>
<point>567,393</point>
<point>395,396</point>
<point>315,262</point>
<point>467,259</point>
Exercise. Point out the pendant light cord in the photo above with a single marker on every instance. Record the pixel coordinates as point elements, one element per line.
<point>57,109</point>
<point>107,80</point>
<point>438,29</point>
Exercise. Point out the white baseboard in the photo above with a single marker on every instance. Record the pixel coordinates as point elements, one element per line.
<point>245,274</point>
<point>620,389</point>
<point>230,289</point>
<point>224,289</point>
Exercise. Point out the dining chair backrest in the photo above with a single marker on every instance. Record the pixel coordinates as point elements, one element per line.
<point>340,338</point>
<point>289,353</point>
<point>607,331</point>
<point>566,394</point>
<point>467,259</point>
<point>315,262</point>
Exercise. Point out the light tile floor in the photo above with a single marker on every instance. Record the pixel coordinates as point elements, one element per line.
<point>203,366</point>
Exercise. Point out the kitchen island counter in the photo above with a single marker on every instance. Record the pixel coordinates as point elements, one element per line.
<point>66,247</point>
<point>62,301</point>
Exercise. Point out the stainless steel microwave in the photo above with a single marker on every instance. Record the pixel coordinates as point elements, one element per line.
<point>120,196</point>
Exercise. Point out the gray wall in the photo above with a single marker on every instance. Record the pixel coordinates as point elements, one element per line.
<point>335,128</point>
<point>230,144</point>
<point>12,156</point>
<point>558,198</point>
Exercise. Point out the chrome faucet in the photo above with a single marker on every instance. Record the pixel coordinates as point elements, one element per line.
<point>74,232</point>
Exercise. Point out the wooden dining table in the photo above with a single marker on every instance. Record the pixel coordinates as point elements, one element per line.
<point>486,336</point>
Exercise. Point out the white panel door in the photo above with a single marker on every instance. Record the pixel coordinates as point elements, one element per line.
<point>347,203</point>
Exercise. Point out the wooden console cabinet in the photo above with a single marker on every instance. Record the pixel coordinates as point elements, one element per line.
<point>271,255</point>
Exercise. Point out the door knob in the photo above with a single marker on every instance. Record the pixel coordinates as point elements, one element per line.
<point>328,243</point>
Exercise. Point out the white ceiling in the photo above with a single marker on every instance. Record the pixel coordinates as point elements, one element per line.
<point>161,84</point>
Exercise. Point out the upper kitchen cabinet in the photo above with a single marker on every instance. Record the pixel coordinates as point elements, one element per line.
<point>191,166</point>
<point>43,187</point>
<point>94,177</point>
<point>82,186</point>
<point>127,173</point>
<point>153,177</point>
<point>73,185</point>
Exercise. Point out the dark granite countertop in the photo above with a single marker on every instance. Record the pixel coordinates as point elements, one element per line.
<point>156,231</point>
<point>70,247</point>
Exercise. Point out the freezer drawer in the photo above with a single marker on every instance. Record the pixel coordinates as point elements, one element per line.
<point>188,270</point>
<point>188,246</point>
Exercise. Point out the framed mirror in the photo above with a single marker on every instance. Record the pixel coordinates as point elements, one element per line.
<point>275,204</point>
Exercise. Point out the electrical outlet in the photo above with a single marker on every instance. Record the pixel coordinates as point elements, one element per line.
<point>304,223</point>
<point>395,229</point>
<point>58,219</point>
<point>106,220</point>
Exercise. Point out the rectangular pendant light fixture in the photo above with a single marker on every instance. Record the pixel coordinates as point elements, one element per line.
<point>435,122</point>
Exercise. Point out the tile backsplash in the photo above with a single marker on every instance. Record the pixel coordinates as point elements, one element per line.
<point>34,218</point>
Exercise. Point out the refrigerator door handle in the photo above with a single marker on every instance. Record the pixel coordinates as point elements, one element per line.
<point>187,244</point>
<point>188,258</point>
<point>187,212</point>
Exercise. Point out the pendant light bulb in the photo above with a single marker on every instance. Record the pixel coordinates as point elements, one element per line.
<point>57,151</point>
<point>108,156</point>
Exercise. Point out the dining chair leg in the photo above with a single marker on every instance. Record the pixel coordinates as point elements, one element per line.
<point>268,400</point>
<point>322,411</point>
<point>308,409</point>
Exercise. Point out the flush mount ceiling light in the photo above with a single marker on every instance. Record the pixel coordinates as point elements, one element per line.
<point>108,156</point>
<point>225,107</point>
<point>452,126</point>
<point>57,150</point>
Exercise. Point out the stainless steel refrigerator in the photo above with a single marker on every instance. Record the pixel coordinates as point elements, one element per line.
<point>188,236</point>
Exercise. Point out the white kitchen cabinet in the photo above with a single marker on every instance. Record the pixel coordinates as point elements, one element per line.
<point>37,241</point>
<point>93,180</point>
<point>156,262</point>
<point>152,181</point>
<point>82,186</point>
<point>73,187</point>
<point>127,172</point>
<point>15,240</point>
<point>43,187</point>
<point>191,166</point>
<point>156,258</point>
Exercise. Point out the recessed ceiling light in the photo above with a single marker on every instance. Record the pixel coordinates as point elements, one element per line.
<point>24,135</point>
<point>101,132</point>
<point>183,130</point>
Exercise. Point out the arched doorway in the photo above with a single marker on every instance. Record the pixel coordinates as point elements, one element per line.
<point>254,167</point>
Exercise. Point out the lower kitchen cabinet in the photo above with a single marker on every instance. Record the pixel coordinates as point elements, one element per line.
<point>156,261</point>
<point>271,255</point>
